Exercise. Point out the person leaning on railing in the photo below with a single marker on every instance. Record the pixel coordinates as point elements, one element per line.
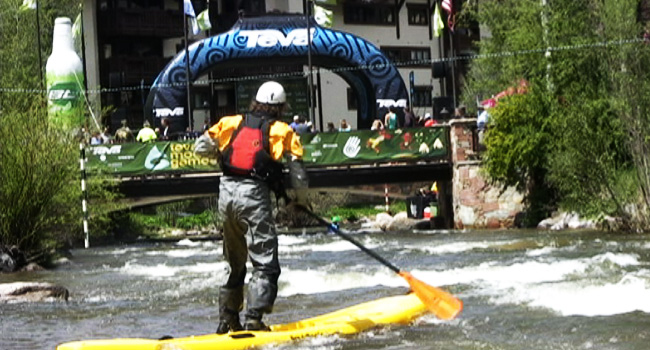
<point>146,134</point>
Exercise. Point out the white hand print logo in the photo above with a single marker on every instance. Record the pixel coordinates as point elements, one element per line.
<point>352,147</point>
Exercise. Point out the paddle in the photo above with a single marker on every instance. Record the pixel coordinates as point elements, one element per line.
<point>439,302</point>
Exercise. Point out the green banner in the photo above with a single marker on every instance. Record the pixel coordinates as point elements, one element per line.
<point>365,146</point>
<point>322,149</point>
<point>148,158</point>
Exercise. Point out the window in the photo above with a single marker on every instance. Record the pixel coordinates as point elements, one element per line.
<point>417,14</point>
<point>408,56</point>
<point>254,7</point>
<point>422,96</point>
<point>352,100</point>
<point>377,14</point>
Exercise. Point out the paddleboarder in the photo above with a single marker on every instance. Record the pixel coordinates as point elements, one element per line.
<point>250,148</point>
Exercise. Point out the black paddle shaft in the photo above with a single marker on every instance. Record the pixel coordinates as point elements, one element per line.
<point>348,238</point>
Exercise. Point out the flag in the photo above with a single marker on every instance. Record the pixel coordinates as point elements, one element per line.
<point>188,9</point>
<point>27,5</point>
<point>77,32</point>
<point>438,24</point>
<point>323,16</point>
<point>203,20</point>
<point>448,5</point>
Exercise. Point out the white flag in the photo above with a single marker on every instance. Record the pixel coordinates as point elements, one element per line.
<point>203,20</point>
<point>28,5</point>
<point>323,16</point>
<point>438,24</point>
<point>188,9</point>
<point>77,34</point>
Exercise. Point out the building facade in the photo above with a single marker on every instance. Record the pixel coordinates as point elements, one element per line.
<point>128,42</point>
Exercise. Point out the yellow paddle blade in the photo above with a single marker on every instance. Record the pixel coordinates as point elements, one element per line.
<point>442,304</point>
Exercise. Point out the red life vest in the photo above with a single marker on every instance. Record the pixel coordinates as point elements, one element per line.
<point>248,153</point>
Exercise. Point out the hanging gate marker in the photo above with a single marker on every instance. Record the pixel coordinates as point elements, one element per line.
<point>84,192</point>
<point>386,197</point>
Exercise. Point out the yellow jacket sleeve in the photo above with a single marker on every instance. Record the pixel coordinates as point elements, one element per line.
<point>282,138</point>
<point>223,130</point>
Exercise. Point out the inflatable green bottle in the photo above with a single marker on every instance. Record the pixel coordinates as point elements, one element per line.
<point>64,77</point>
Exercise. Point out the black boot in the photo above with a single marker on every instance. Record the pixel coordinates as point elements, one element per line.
<point>230,303</point>
<point>229,323</point>
<point>255,325</point>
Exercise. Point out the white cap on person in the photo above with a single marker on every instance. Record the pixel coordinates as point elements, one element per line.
<point>271,93</point>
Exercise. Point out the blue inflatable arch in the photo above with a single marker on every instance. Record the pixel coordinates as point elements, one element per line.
<point>253,41</point>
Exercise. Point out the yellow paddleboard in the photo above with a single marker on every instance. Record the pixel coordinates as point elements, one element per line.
<point>391,310</point>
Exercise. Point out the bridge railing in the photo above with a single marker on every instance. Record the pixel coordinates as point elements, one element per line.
<point>320,150</point>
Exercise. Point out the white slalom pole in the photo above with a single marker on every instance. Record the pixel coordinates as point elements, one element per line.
<point>84,193</point>
<point>386,197</point>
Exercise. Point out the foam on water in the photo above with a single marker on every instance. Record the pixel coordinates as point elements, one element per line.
<point>294,282</point>
<point>605,284</point>
<point>289,240</point>
<point>337,246</point>
<point>629,294</point>
<point>184,253</point>
<point>457,247</point>
<point>329,342</point>
<point>162,271</point>
<point>190,243</point>
<point>542,251</point>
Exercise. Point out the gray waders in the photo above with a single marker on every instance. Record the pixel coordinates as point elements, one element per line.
<point>248,231</point>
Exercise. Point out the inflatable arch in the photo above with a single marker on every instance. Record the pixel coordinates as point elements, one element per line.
<point>282,39</point>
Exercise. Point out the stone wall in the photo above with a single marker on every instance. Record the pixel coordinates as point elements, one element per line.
<point>477,204</point>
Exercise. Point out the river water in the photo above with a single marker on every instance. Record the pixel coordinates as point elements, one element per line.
<point>521,290</point>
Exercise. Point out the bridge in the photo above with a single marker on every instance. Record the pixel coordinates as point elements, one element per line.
<point>162,172</point>
<point>154,173</point>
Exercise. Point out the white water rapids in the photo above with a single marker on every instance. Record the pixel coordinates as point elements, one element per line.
<point>521,289</point>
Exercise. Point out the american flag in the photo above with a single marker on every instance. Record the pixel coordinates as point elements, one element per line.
<point>448,5</point>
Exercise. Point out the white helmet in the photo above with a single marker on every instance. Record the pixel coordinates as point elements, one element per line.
<point>271,93</point>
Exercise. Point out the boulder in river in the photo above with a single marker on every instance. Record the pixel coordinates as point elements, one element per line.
<point>32,292</point>
<point>11,259</point>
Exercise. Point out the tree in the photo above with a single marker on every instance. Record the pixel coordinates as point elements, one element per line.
<point>576,140</point>
<point>40,195</point>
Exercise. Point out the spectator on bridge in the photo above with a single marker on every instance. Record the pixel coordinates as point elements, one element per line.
<point>429,121</point>
<point>331,127</point>
<point>96,139</point>
<point>124,133</point>
<point>296,121</point>
<point>303,127</point>
<point>165,129</point>
<point>106,135</point>
<point>377,125</point>
<point>460,112</point>
<point>245,202</point>
<point>409,118</point>
<point>390,119</point>
<point>481,125</point>
<point>345,127</point>
<point>146,134</point>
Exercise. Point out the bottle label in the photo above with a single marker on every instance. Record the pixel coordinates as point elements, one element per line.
<point>64,103</point>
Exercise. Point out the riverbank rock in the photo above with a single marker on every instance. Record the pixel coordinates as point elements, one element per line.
<point>32,292</point>
<point>11,259</point>
<point>563,221</point>
<point>387,222</point>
